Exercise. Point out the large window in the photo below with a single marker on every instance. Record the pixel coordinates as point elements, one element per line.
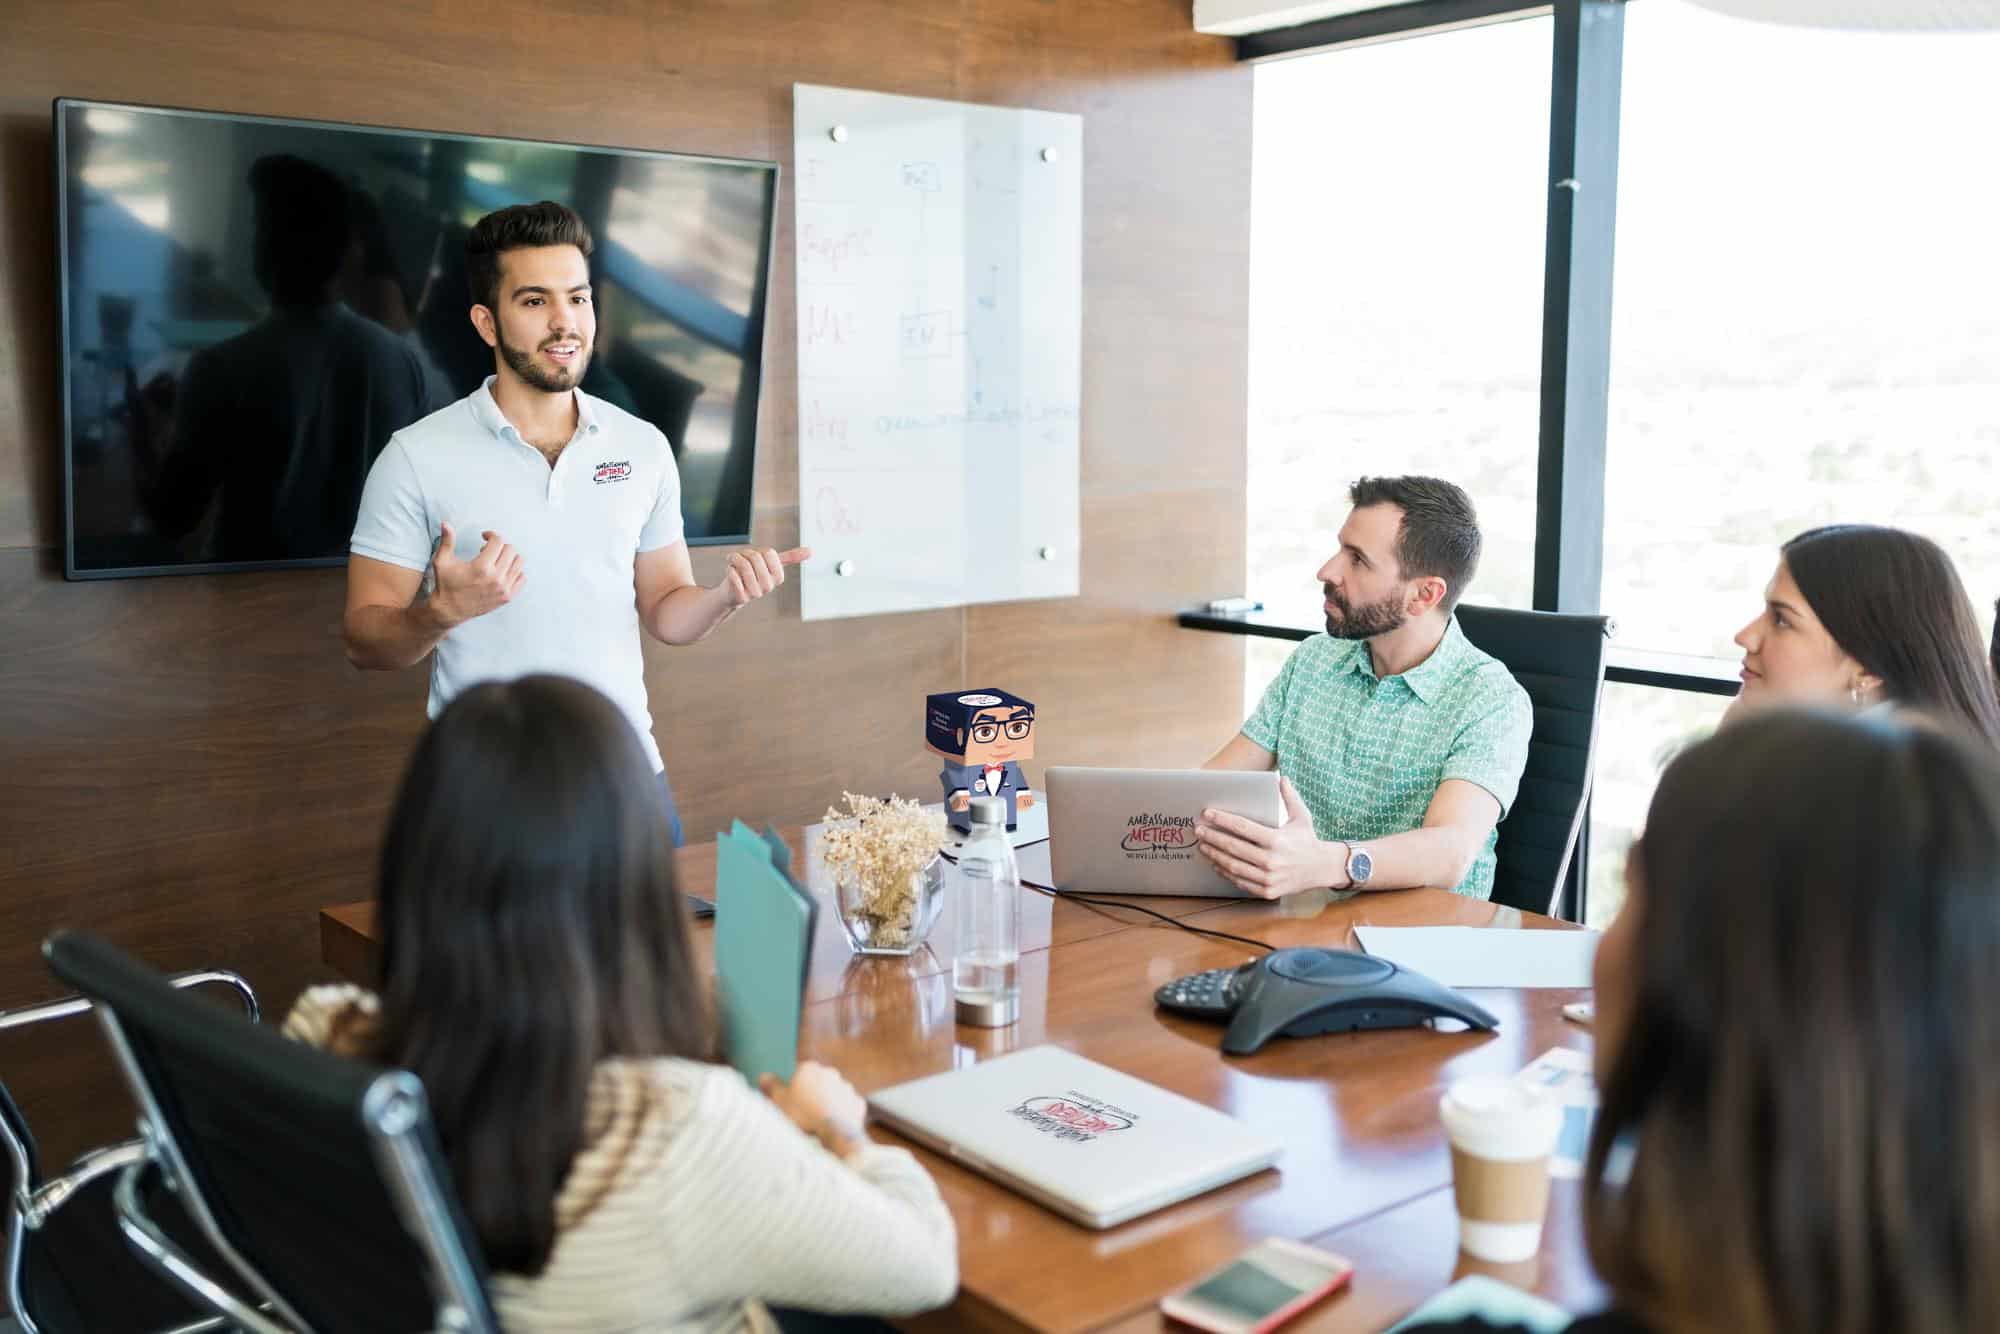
<point>1397,231</point>
<point>1806,323</point>
<point>1640,730</point>
<point>1806,330</point>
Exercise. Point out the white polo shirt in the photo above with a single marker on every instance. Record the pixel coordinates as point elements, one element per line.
<point>613,493</point>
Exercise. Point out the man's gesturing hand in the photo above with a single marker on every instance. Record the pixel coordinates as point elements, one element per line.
<point>1267,862</point>
<point>469,588</point>
<point>755,571</point>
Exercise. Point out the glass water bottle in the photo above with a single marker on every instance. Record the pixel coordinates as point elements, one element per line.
<point>986,974</point>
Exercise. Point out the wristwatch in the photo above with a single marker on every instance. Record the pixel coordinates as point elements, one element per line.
<point>1359,867</point>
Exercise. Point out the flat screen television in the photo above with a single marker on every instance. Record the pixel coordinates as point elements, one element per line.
<point>243,249</point>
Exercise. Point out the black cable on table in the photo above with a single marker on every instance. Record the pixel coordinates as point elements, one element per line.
<point>1075,897</point>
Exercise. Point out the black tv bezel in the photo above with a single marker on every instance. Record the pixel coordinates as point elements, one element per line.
<point>753,378</point>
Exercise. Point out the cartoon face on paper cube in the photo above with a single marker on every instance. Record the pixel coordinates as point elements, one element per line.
<point>980,727</point>
<point>983,735</point>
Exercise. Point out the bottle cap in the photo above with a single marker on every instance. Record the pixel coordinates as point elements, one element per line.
<point>989,810</point>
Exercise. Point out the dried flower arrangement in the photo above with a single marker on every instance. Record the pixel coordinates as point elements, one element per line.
<point>879,847</point>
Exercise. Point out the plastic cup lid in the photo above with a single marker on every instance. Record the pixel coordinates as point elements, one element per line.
<point>1496,1117</point>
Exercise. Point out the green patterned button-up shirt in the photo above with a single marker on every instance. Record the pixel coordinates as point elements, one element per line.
<point>1367,754</point>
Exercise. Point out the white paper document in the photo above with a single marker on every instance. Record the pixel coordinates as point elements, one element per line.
<point>1472,956</point>
<point>1564,1073</point>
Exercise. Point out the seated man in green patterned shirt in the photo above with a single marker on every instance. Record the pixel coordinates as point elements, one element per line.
<point>1398,744</point>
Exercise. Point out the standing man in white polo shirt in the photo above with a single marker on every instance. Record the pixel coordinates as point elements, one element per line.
<point>530,527</point>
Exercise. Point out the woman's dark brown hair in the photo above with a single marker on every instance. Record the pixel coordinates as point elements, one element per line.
<point>1894,602</point>
<point>530,929</point>
<point>1808,1093</point>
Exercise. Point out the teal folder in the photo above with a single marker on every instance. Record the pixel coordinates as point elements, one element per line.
<point>1491,1300</point>
<point>764,924</point>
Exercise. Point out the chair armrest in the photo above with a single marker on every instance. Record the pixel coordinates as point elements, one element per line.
<point>158,1250</point>
<point>28,1015</point>
<point>47,1010</point>
<point>224,977</point>
<point>18,1141</point>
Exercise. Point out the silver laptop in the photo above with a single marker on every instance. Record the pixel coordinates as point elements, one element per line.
<point>1096,1146</point>
<point>1131,831</point>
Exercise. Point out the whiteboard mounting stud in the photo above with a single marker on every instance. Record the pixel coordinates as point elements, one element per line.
<point>838,134</point>
<point>1047,553</point>
<point>1050,155</point>
<point>844,568</point>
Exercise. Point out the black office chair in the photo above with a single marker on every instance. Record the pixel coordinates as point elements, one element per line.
<point>1559,661</point>
<point>67,1267</point>
<point>318,1179</point>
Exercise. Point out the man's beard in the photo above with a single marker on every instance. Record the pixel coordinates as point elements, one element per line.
<point>1365,622</point>
<point>523,364</point>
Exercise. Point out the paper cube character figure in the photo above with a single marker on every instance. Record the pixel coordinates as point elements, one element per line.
<point>984,734</point>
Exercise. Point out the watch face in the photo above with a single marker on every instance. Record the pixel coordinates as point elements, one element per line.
<point>1359,866</point>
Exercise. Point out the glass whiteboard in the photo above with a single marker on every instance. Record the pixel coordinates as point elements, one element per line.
<point>940,289</point>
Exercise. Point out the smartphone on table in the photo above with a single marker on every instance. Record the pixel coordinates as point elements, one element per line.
<point>1262,1289</point>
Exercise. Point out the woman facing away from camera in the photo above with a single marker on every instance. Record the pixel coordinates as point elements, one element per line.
<point>538,977</point>
<point>1797,1052</point>
<point>1858,616</point>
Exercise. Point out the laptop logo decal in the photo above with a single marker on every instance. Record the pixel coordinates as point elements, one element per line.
<point>1073,1117</point>
<point>1159,835</point>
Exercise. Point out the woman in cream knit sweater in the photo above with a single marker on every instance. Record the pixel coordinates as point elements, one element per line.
<point>537,977</point>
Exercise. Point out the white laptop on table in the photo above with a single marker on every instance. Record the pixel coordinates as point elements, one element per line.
<point>1131,831</point>
<point>1094,1145</point>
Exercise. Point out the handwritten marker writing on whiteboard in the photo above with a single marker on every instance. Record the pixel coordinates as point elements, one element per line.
<point>921,347</point>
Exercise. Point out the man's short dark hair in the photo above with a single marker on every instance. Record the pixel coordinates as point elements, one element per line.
<point>1439,536</point>
<point>520,227</point>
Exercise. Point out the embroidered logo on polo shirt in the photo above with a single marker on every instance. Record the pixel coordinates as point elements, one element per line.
<point>612,472</point>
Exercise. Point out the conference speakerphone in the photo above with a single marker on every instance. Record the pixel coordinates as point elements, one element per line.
<point>1304,992</point>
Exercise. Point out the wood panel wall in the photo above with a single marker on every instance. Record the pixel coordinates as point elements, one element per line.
<point>189,765</point>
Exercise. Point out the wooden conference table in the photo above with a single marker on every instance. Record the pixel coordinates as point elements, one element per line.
<point>1366,1170</point>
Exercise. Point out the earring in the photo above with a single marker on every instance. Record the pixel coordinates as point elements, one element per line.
<point>1854,694</point>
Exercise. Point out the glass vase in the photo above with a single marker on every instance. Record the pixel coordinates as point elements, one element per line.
<point>890,918</point>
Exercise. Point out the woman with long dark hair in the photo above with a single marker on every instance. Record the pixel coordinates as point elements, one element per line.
<point>538,977</point>
<point>1859,615</point>
<point>1797,1052</point>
